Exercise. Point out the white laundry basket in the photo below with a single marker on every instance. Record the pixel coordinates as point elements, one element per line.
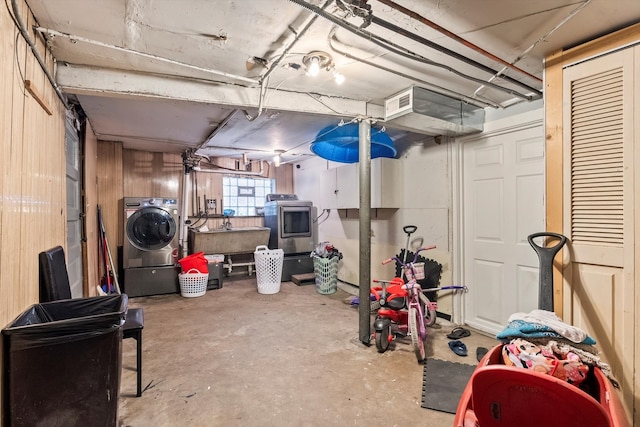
<point>268,269</point>
<point>193,283</point>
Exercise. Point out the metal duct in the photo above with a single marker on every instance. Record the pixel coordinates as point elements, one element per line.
<point>423,111</point>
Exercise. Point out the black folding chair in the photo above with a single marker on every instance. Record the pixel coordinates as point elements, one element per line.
<point>54,285</point>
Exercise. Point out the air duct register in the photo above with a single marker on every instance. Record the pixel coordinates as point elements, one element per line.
<point>423,111</point>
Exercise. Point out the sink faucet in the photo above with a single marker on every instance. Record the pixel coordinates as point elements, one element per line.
<point>226,223</point>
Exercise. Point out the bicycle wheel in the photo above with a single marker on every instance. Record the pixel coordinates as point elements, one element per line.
<point>429,317</point>
<point>417,341</point>
<point>382,336</point>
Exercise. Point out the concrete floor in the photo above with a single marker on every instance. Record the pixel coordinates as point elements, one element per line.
<point>235,357</point>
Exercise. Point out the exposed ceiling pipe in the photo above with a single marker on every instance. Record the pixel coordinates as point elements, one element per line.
<point>452,54</point>
<point>456,37</point>
<point>218,128</point>
<point>407,53</point>
<point>461,97</point>
<point>25,34</point>
<point>540,40</point>
<point>231,171</point>
<point>145,55</point>
<point>553,30</point>
<point>263,79</point>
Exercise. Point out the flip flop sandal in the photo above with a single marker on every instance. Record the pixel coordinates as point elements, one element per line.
<point>480,352</point>
<point>458,348</point>
<point>458,332</point>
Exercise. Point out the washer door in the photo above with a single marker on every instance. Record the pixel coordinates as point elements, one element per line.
<point>151,228</point>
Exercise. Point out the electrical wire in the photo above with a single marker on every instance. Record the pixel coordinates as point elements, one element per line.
<point>395,48</point>
<point>17,20</point>
<point>526,52</point>
<point>461,97</point>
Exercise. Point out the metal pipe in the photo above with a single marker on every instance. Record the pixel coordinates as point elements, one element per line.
<point>23,30</point>
<point>364,165</point>
<point>407,53</point>
<point>143,54</point>
<point>232,171</point>
<point>540,40</point>
<point>455,37</point>
<point>186,193</point>
<point>457,56</point>
<point>273,66</point>
<point>218,128</point>
<point>461,97</point>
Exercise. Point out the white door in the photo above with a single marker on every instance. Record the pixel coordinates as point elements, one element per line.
<point>503,203</point>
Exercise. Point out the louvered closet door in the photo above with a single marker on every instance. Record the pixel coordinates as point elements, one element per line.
<point>598,205</point>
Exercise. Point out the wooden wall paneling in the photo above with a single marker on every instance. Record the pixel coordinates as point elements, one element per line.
<point>169,167</point>
<point>90,184</point>
<point>32,193</point>
<point>284,179</point>
<point>32,196</point>
<point>109,195</point>
<point>30,221</point>
<point>44,213</point>
<point>10,115</point>
<point>138,173</point>
<point>206,184</point>
<point>9,306</point>
<point>17,250</point>
<point>149,174</point>
<point>636,302</point>
<point>554,170</point>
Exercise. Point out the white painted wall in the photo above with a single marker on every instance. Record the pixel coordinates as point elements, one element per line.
<point>426,203</point>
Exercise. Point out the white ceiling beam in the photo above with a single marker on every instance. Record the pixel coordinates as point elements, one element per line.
<point>84,80</point>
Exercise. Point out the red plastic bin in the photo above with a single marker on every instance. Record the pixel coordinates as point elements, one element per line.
<point>197,261</point>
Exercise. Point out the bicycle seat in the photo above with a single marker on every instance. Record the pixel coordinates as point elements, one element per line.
<point>396,296</point>
<point>395,302</point>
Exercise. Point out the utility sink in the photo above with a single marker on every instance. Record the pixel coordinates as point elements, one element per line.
<point>231,241</point>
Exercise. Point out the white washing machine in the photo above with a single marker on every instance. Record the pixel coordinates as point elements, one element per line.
<point>150,246</point>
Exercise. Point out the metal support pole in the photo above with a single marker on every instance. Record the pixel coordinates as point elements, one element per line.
<point>184,214</point>
<point>364,308</point>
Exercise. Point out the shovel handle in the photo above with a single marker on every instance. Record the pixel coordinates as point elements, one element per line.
<point>545,256</point>
<point>561,241</point>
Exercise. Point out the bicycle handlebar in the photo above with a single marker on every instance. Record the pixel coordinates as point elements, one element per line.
<point>415,256</point>
<point>409,229</point>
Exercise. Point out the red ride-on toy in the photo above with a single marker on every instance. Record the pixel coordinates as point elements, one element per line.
<point>404,309</point>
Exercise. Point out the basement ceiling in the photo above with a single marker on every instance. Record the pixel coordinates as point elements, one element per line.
<point>227,78</point>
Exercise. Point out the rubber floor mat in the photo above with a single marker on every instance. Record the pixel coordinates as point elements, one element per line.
<point>443,383</point>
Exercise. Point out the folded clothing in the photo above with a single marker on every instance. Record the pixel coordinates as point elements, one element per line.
<point>567,367</point>
<point>523,329</point>
<point>553,322</point>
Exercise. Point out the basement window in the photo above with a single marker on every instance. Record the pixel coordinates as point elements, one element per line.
<point>246,196</point>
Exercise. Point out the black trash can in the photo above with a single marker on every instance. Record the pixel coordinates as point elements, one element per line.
<point>62,362</point>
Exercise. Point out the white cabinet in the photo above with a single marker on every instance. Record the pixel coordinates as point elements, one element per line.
<point>386,185</point>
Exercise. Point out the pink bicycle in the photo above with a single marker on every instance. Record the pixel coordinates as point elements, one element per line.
<point>404,309</point>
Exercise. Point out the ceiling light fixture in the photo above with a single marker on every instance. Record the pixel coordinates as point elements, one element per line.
<point>339,78</point>
<point>277,159</point>
<point>317,60</point>
<point>314,66</point>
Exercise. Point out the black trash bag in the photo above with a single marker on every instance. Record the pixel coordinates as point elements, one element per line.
<point>63,361</point>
